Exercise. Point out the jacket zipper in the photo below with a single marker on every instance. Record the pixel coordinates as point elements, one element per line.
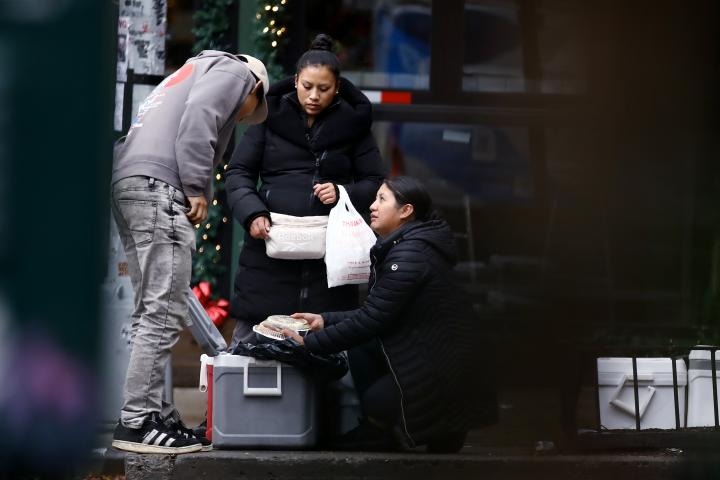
<point>374,272</point>
<point>316,174</point>
<point>318,161</point>
<point>312,182</point>
<point>303,294</point>
<point>387,359</point>
<point>402,396</point>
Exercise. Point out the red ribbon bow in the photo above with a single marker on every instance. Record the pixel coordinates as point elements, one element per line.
<point>217,310</point>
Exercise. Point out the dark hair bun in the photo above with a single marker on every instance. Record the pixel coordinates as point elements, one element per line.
<point>322,42</point>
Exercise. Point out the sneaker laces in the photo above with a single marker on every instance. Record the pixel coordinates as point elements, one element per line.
<point>176,425</point>
<point>165,426</point>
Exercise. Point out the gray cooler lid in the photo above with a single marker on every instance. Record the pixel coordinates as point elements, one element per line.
<point>202,328</point>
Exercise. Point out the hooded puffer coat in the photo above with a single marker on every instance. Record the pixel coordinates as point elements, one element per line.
<point>416,310</point>
<point>287,158</point>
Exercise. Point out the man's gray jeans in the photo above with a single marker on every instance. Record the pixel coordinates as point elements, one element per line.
<point>159,241</point>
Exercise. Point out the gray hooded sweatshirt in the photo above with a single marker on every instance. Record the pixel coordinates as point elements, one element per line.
<point>183,127</point>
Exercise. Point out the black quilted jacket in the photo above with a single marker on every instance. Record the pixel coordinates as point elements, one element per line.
<point>416,310</point>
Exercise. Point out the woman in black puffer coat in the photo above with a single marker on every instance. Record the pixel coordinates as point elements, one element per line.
<point>317,136</point>
<point>424,389</point>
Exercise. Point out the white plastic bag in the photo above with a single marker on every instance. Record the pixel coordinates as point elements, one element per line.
<point>348,243</point>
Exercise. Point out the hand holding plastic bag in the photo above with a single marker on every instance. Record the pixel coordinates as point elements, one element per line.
<point>347,244</point>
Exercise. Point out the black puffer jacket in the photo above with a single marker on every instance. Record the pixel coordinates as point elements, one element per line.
<point>425,328</point>
<point>288,159</point>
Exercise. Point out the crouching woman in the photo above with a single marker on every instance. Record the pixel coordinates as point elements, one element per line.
<point>411,342</point>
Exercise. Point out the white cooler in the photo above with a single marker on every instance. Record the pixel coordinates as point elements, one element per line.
<point>655,392</point>
<point>700,396</point>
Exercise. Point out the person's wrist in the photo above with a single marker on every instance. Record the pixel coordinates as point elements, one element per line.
<point>252,218</point>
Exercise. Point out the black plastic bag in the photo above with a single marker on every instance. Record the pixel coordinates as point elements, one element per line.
<point>324,368</point>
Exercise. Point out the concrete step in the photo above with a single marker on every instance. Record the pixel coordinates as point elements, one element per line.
<point>490,464</point>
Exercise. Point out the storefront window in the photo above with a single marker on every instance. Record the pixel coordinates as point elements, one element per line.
<point>539,50</point>
<point>383,44</point>
<point>489,164</point>
<point>479,177</point>
<point>562,47</point>
<point>493,58</point>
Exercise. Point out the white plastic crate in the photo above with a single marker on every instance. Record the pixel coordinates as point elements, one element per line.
<point>700,395</point>
<point>655,392</point>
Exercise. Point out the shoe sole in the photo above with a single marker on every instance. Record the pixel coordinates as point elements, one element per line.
<point>144,448</point>
<point>207,448</point>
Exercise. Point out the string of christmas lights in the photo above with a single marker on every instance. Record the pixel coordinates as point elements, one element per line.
<point>271,18</point>
<point>269,14</point>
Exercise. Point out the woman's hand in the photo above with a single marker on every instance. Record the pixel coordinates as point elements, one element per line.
<point>315,321</point>
<point>260,227</point>
<point>325,192</point>
<point>294,335</point>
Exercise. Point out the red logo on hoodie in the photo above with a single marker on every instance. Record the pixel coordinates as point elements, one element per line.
<point>180,75</point>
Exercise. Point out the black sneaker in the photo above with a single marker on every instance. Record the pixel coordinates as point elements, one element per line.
<point>201,429</point>
<point>153,437</point>
<point>175,424</point>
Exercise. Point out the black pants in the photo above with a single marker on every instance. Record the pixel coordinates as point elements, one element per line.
<point>379,394</point>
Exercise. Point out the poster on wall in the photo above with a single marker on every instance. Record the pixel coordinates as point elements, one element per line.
<point>140,46</point>
<point>122,49</point>
<point>147,23</point>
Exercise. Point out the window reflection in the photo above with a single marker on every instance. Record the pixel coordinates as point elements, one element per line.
<point>383,44</point>
<point>491,164</point>
<point>497,55</point>
<point>562,46</point>
<point>493,58</point>
<point>479,176</point>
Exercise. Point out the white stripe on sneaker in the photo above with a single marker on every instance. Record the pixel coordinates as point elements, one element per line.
<point>159,439</point>
<point>150,436</point>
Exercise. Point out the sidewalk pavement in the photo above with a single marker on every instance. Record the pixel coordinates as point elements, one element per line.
<point>519,447</point>
<point>470,463</point>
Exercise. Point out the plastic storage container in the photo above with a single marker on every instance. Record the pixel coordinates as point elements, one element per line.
<point>700,396</point>
<point>655,392</point>
<point>258,403</point>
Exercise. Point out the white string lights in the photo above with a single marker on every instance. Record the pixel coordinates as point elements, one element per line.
<point>268,15</point>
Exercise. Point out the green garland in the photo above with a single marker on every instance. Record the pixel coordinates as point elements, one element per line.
<point>270,35</point>
<point>211,26</point>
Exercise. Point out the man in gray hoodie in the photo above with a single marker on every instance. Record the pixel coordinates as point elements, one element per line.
<point>161,185</point>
